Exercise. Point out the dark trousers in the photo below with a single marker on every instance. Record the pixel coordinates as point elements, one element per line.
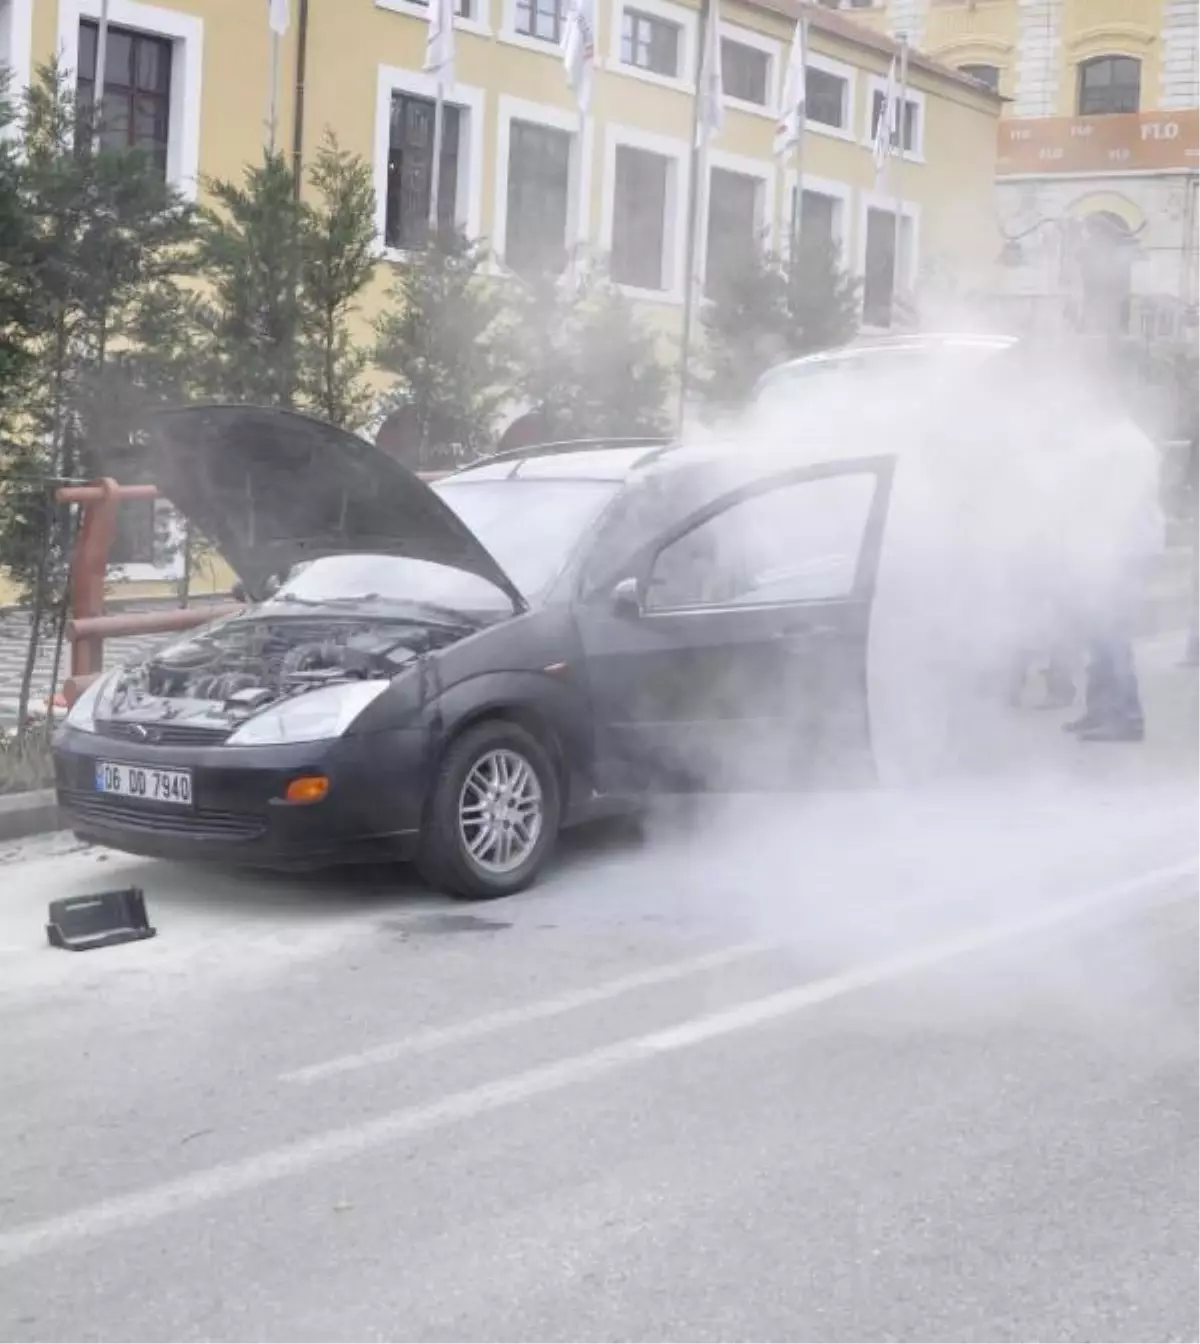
<point>1113,697</point>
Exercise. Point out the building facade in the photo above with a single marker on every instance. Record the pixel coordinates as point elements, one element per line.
<point>190,80</point>
<point>1097,160</point>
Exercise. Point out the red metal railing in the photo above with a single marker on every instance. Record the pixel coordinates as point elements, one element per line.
<point>89,626</point>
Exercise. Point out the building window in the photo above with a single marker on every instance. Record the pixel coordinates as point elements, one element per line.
<point>1110,85</point>
<point>733,216</point>
<point>541,19</point>
<point>539,173</point>
<point>410,152</point>
<point>909,121</point>
<point>465,9</point>
<point>650,43</point>
<point>825,97</point>
<point>745,72</point>
<point>880,269</point>
<point>819,222</point>
<point>987,75</point>
<point>639,218</point>
<point>136,112</point>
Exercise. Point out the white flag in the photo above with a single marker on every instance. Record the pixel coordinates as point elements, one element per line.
<point>795,92</point>
<point>439,43</point>
<point>885,126</point>
<point>711,93</point>
<point>579,49</point>
<point>279,16</point>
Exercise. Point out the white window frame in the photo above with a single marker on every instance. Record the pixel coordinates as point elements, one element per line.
<point>579,179</point>
<point>840,70</point>
<point>840,191</point>
<point>16,42</point>
<point>685,19</point>
<point>468,190</point>
<point>508,33</point>
<point>174,532</point>
<point>479,24</point>
<point>878,84</point>
<point>773,51</point>
<point>678,153</point>
<point>909,210</point>
<point>763,172</point>
<point>186,33</point>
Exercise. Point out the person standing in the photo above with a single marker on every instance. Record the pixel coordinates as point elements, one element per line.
<point>1120,538</point>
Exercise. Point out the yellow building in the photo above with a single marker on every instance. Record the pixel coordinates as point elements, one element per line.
<point>191,80</point>
<point>1097,163</point>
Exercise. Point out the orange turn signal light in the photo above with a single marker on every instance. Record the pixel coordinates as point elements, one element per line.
<point>307,789</point>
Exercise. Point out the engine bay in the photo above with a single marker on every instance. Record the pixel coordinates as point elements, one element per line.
<point>229,671</point>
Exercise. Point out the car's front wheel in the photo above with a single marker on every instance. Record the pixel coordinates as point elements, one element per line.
<point>493,815</point>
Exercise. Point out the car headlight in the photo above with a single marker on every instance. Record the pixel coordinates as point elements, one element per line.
<point>82,714</point>
<point>314,716</point>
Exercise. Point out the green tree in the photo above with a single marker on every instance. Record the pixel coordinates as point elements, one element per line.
<point>586,365</point>
<point>763,312</point>
<point>250,316</point>
<point>337,261</point>
<point>282,280</point>
<point>101,229</point>
<point>442,343</point>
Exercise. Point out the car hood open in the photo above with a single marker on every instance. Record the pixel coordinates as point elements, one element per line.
<point>271,488</point>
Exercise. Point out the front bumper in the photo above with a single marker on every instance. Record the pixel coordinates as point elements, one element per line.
<point>238,814</point>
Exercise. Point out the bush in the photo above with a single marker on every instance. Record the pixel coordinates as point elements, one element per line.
<point>25,759</point>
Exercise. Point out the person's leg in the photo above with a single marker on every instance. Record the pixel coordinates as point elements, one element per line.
<point>1060,680</point>
<point>1116,709</point>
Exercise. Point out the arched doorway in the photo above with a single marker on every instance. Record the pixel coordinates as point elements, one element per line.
<point>1104,263</point>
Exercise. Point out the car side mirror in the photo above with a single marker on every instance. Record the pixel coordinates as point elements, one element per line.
<point>627,600</point>
<point>238,591</point>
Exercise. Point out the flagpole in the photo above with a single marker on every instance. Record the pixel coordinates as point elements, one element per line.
<point>435,170</point>
<point>581,219</point>
<point>898,174</point>
<point>796,237</point>
<point>273,113</point>
<point>698,164</point>
<point>99,75</point>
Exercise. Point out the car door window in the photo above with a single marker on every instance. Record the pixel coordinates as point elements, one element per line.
<point>800,542</point>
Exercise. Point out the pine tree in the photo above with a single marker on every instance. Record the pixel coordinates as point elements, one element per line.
<point>251,317</point>
<point>764,311</point>
<point>100,226</point>
<point>442,343</point>
<point>587,366</point>
<point>337,261</point>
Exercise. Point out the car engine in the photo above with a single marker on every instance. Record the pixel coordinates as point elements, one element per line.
<point>240,666</point>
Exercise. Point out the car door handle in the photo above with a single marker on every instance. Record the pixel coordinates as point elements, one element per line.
<point>804,630</point>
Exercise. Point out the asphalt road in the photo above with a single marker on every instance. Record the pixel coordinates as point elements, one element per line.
<point>855,1069</point>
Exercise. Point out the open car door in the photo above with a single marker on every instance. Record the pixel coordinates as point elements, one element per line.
<point>731,652</point>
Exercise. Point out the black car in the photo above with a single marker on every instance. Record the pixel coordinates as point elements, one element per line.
<point>452,673</point>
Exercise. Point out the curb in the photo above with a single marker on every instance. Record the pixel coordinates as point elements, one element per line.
<point>25,814</point>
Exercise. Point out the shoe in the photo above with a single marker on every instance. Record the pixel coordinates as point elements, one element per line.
<point>1114,732</point>
<point>1083,725</point>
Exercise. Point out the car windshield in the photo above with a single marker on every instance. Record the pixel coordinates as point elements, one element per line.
<point>528,526</point>
<point>390,580</point>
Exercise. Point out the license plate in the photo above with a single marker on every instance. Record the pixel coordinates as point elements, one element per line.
<point>145,783</point>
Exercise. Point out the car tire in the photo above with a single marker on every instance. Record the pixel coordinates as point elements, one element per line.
<point>458,853</point>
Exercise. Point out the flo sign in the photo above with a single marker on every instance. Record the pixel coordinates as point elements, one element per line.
<point>1138,142</point>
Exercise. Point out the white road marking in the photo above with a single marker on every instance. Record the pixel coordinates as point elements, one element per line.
<point>422,1042</point>
<point>126,1212</point>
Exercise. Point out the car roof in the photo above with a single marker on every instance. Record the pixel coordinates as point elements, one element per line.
<point>875,346</point>
<point>595,462</point>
